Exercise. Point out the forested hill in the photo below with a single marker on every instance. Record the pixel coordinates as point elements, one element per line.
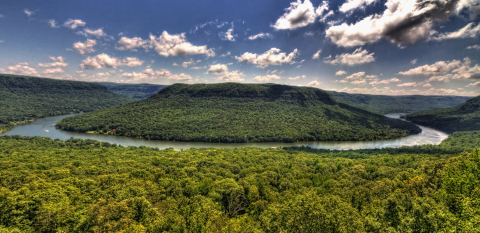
<point>384,104</point>
<point>138,91</point>
<point>464,117</point>
<point>23,98</point>
<point>232,112</point>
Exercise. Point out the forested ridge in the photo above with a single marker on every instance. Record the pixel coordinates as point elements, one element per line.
<point>88,186</point>
<point>24,98</point>
<point>138,91</point>
<point>384,104</point>
<point>233,112</point>
<point>464,117</point>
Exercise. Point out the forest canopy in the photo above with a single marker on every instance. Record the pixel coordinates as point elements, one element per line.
<point>24,98</point>
<point>88,186</point>
<point>233,112</point>
<point>464,117</point>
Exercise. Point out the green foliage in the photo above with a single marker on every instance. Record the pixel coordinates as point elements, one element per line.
<point>384,104</point>
<point>232,112</point>
<point>137,91</point>
<point>89,186</point>
<point>24,98</point>
<point>464,117</point>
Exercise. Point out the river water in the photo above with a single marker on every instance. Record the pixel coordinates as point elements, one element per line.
<point>45,127</point>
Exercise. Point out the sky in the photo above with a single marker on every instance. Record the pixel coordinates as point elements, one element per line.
<point>388,47</point>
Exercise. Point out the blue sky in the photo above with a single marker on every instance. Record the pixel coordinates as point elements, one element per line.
<point>393,47</point>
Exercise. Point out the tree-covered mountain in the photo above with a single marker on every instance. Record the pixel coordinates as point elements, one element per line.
<point>384,104</point>
<point>233,112</point>
<point>23,98</point>
<point>464,117</point>
<point>137,91</point>
<point>87,186</point>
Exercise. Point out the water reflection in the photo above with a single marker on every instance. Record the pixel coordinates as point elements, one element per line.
<point>45,127</point>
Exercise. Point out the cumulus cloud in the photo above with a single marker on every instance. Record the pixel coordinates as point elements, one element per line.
<point>474,47</point>
<point>384,82</point>
<point>177,45</point>
<point>267,78</point>
<point>260,36</point>
<point>53,71</point>
<point>409,91</point>
<point>126,43</point>
<point>28,12</point>
<point>57,62</point>
<point>223,74</point>
<point>85,47</point>
<point>413,84</point>
<point>189,63</point>
<point>469,31</point>
<point>53,23</point>
<point>301,14</point>
<point>154,75</point>
<point>446,70</point>
<point>227,35</point>
<point>359,78</point>
<point>475,84</point>
<point>20,68</point>
<point>317,54</point>
<point>341,72</point>
<point>359,56</point>
<point>89,32</point>
<point>351,5</point>
<point>314,83</point>
<point>270,57</point>
<point>105,61</point>
<point>403,22</point>
<point>74,23</point>
<point>414,61</point>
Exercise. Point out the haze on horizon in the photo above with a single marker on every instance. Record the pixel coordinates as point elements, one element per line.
<point>392,47</point>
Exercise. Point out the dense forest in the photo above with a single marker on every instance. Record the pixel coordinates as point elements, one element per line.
<point>88,186</point>
<point>463,117</point>
<point>232,112</point>
<point>384,104</point>
<point>138,91</point>
<point>24,98</point>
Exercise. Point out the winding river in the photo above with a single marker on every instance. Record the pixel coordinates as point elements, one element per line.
<point>45,127</point>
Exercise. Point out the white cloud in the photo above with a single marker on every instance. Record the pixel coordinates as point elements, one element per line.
<point>53,23</point>
<point>409,91</point>
<point>98,33</point>
<point>359,56</point>
<point>58,62</point>
<point>427,85</point>
<point>341,72</point>
<point>413,84</point>
<point>414,61</point>
<point>359,82</point>
<point>74,23</point>
<point>469,31</point>
<point>359,78</point>
<point>270,57</point>
<point>177,45</point>
<point>317,55</point>
<point>53,71</point>
<point>314,83</point>
<point>446,70</point>
<point>85,47</point>
<point>402,22</point>
<point>227,35</point>
<point>28,13</point>
<point>222,73</point>
<point>439,78</point>
<point>384,82</point>
<point>474,47</point>
<point>226,54</point>
<point>131,43</point>
<point>105,61</point>
<point>351,5</point>
<point>298,77</point>
<point>261,36</point>
<point>267,78</point>
<point>189,63</point>
<point>475,84</point>
<point>154,75</point>
<point>21,69</point>
<point>301,14</point>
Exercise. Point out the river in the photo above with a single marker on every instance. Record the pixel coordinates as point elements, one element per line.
<point>45,127</point>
